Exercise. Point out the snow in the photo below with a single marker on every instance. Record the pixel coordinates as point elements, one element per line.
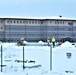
<point>62,62</point>
<point>41,42</point>
<point>67,44</point>
<point>62,18</point>
<point>40,57</point>
<point>25,42</point>
<point>48,17</point>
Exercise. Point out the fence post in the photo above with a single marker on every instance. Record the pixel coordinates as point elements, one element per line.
<point>50,57</point>
<point>23,59</point>
<point>1,58</point>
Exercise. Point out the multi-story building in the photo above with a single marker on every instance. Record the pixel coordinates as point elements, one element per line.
<point>33,29</point>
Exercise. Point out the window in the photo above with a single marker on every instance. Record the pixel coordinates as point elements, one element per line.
<point>20,22</point>
<point>1,27</point>
<point>35,22</point>
<point>14,21</point>
<point>38,22</point>
<point>41,34</point>
<point>70,29</point>
<point>24,22</point>
<point>8,21</point>
<point>58,28</point>
<point>41,22</point>
<point>11,21</point>
<point>60,22</point>
<point>17,28</point>
<point>32,34</point>
<point>55,28</point>
<point>17,21</point>
<point>41,28</point>
<point>32,22</point>
<point>17,34</point>
<point>27,22</point>
<point>63,22</point>
<point>50,21</point>
<point>55,22</point>
<point>1,21</point>
<point>70,23</point>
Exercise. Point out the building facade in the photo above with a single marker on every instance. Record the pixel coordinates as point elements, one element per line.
<point>12,29</point>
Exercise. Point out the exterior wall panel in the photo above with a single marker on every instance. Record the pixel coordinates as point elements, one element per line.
<point>12,29</point>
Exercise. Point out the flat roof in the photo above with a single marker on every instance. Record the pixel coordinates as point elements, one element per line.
<point>39,18</point>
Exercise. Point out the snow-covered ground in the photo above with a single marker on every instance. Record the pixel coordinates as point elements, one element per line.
<point>38,60</point>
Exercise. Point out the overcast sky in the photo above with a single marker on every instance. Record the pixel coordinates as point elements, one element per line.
<point>38,8</point>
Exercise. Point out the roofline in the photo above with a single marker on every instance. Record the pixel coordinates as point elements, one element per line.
<point>43,19</point>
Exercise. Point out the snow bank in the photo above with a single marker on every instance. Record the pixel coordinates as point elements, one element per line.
<point>25,42</point>
<point>41,55</point>
<point>33,72</point>
<point>61,61</point>
<point>41,42</point>
<point>66,44</point>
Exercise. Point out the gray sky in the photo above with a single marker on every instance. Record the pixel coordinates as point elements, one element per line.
<point>38,8</point>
